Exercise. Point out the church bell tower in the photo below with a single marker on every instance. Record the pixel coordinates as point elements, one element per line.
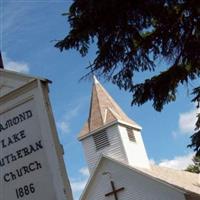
<point>111,132</point>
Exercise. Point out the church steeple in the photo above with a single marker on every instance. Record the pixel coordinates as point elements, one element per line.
<point>103,110</point>
<point>110,131</point>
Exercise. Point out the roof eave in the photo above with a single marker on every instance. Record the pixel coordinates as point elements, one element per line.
<point>134,126</point>
<point>24,75</point>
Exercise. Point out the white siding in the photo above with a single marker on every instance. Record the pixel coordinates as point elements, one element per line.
<point>135,151</point>
<point>137,186</point>
<point>114,150</point>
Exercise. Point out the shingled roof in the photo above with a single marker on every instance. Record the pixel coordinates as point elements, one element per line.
<point>179,178</point>
<point>103,110</point>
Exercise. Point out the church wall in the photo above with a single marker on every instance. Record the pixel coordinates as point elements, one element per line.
<point>115,149</point>
<point>137,186</point>
<point>135,151</point>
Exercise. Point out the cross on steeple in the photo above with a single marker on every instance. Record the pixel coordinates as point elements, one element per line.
<point>114,190</point>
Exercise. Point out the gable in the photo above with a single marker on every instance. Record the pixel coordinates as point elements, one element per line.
<point>136,185</point>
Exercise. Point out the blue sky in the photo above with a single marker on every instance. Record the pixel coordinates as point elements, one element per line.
<point>28,32</point>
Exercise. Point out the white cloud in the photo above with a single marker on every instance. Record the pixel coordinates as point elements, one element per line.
<point>18,66</point>
<point>78,186</point>
<point>79,183</point>
<point>178,162</point>
<point>64,124</point>
<point>10,22</point>
<point>84,171</point>
<point>187,121</point>
<point>175,134</point>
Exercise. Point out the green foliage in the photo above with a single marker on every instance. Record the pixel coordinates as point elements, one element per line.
<point>195,168</point>
<point>131,36</point>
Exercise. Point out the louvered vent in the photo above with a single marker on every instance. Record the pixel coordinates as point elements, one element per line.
<point>131,135</point>
<point>101,140</point>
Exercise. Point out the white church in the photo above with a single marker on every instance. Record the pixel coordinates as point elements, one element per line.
<point>117,160</point>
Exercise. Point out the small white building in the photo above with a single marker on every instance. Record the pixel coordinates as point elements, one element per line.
<point>117,160</point>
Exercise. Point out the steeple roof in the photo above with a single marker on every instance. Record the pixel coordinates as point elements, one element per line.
<point>103,111</point>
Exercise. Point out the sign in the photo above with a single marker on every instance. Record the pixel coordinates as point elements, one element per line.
<point>29,166</point>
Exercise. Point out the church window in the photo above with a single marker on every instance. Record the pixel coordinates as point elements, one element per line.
<point>101,140</point>
<point>131,134</point>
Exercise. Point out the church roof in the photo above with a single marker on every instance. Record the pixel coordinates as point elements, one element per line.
<point>186,181</point>
<point>103,111</point>
<point>183,181</point>
<point>179,178</point>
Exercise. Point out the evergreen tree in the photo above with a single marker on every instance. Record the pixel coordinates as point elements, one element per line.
<point>195,168</point>
<point>131,36</point>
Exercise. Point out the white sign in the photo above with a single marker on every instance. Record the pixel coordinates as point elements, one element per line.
<point>23,162</point>
<point>31,163</point>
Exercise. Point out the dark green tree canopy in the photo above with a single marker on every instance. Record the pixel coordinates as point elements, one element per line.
<point>194,168</point>
<point>131,35</point>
